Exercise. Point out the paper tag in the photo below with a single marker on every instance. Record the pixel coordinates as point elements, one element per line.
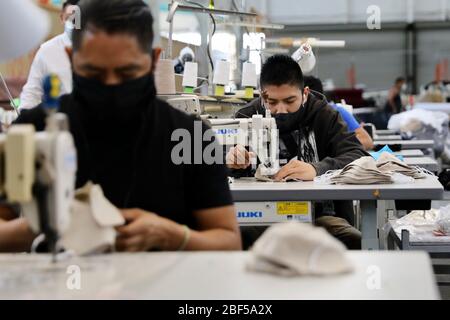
<point>292,208</point>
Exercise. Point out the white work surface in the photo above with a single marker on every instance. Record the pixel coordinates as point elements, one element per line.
<point>413,153</point>
<point>424,162</point>
<point>248,189</point>
<point>212,276</point>
<point>367,110</point>
<point>372,220</point>
<point>407,144</point>
<point>387,137</point>
<point>385,132</point>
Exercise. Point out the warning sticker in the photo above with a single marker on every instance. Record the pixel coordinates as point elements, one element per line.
<point>293,208</point>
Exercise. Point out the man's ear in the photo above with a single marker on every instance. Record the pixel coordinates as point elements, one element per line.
<point>306,93</point>
<point>155,57</point>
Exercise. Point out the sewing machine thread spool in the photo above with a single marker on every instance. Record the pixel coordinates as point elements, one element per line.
<point>305,57</point>
<point>249,80</point>
<point>190,77</point>
<point>221,76</point>
<point>165,77</point>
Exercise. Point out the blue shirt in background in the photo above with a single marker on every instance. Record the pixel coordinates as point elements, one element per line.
<point>349,119</point>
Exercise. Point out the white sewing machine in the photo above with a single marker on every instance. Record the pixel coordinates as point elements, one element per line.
<point>188,103</point>
<point>40,175</point>
<point>259,133</point>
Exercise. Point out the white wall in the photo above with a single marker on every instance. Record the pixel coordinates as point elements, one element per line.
<point>347,11</point>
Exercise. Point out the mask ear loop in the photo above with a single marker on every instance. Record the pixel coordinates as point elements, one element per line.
<point>320,94</point>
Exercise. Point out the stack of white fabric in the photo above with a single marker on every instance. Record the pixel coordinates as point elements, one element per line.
<point>366,170</point>
<point>361,171</point>
<point>389,163</point>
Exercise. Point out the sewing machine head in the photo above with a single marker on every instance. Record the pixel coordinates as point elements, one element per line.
<point>258,133</point>
<point>40,175</point>
<point>187,103</point>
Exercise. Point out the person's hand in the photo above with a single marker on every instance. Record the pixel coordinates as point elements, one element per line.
<point>296,169</point>
<point>239,158</point>
<point>144,231</point>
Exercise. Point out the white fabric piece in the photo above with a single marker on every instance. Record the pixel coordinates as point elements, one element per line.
<point>50,58</point>
<point>93,219</point>
<point>443,221</point>
<point>365,170</point>
<point>420,225</point>
<point>294,249</point>
<point>262,178</point>
<point>410,118</point>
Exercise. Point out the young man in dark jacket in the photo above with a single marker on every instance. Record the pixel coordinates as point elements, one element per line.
<point>313,139</point>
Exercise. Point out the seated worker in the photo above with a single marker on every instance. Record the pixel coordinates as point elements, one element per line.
<point>394,103</point>
<point>51,58</point>
<point>312,136</point>
<point>122,133</point>
<point>315,85</point>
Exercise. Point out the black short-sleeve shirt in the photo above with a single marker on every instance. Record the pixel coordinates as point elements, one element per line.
<point>133,163</point>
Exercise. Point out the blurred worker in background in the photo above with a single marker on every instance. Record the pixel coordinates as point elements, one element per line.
<point>394,102</point>
<point>51,58</point>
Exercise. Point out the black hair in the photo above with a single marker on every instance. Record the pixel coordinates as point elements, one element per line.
<point>313,83</point>
<point>70,3</point>
<point>399,79</point>
<point>281,69</point>
<point>131,17</point>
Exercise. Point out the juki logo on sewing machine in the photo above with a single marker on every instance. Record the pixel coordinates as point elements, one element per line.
<point>250,214</point>
<point>226,131</point>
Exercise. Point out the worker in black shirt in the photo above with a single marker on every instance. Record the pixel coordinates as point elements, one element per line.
<point>123,136</point>
<point>313,140</point>
<point>394,102</point>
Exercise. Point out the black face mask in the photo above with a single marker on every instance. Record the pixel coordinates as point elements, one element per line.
<point>124,102</point>
<point>288,122</point>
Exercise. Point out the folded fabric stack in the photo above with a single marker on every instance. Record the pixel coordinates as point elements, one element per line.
<point>361,171</point>
<point>388,163</point>
<point>366,170</point>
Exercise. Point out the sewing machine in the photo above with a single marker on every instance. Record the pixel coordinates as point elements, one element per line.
<point>40,175</point>
<point>205,107</point>
<point>39,169</point>
<point>259,133</point>
<point>188,103</point>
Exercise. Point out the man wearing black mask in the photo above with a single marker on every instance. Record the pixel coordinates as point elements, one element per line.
<point>123,136</point>
<point>313,139</point>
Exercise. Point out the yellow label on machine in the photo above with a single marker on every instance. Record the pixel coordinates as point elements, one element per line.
<point>292,208</point>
